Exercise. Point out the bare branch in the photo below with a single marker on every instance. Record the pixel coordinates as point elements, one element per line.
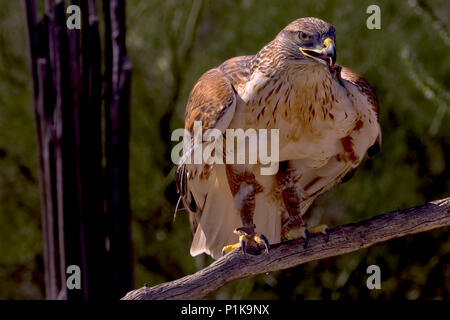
<point>343,239</point>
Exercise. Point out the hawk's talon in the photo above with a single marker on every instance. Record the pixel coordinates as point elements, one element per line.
<point>248,236</point>
<point>265,241</point>
<point>306,238</point>
<point>321,229</point>
<point>229,248</point>
<point>327,235</point>
<point>295,228</point>
<point>242,243</point>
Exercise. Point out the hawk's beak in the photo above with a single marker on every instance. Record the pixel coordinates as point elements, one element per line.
<point>327,54</point>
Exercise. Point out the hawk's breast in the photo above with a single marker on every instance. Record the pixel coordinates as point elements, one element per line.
<point>311,110</point>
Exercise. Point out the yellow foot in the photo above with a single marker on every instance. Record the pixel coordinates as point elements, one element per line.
<point>249,241</point>
<point>229,248</point>
<point>321,229</point>
<point>295,228</point>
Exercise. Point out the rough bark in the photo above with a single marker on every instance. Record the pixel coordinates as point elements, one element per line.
<point>343,239</point>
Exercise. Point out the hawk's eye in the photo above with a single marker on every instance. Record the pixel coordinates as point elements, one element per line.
<point>304,36</point>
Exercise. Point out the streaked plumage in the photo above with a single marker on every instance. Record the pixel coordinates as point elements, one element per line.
<point>327,116</point>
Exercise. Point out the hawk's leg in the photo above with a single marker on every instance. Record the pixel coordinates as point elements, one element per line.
<point>294,227</point>
<point>291,192</point>
<point>244,187</point>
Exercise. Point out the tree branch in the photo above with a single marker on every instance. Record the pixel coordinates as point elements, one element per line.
<point>343,239</point>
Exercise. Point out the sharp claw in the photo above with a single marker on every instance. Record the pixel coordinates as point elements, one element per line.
<point>327,233</point>
<point>248,234</point>
<point>266,242</point>
<point>242,242</point>
<point>306,238</point>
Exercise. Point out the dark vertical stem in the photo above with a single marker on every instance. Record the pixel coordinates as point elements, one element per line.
<point>84,205</point>
<point>91,172</point>
<point>117,127</point>
<point>71,239</point>
<point>44,98</point>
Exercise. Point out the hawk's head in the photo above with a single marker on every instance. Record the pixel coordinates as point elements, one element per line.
<point>308,40</point>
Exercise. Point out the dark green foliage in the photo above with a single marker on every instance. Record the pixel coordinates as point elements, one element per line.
<point>407,61</point>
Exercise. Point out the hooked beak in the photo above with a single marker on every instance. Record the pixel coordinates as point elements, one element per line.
<point>327,54</point>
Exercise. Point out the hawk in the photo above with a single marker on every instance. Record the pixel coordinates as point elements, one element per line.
<point>327,117</point>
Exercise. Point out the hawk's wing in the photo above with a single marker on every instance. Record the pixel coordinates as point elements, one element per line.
<point>369,92</point>
<point>204,189</point>
<point>212,101</point>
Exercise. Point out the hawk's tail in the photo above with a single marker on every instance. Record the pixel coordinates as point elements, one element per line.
<point>219,218</point>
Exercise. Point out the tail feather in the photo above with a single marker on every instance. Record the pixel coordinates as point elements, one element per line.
<point>219,218</point>
<point>267,218</point>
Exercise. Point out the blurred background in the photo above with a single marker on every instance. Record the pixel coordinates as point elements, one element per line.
<point>171,43</point>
